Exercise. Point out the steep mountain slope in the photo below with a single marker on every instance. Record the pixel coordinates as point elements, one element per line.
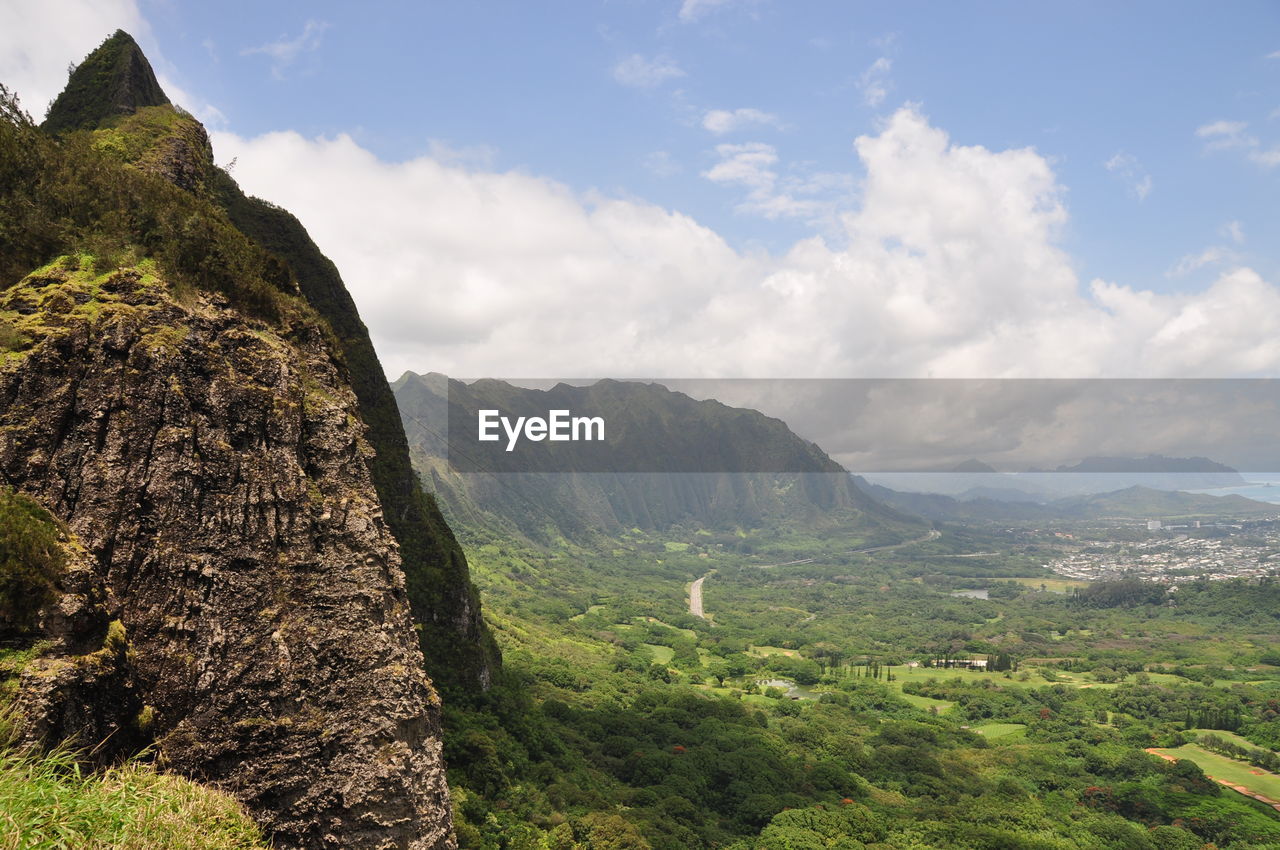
<point>194,408</point>
<point>460,652</point>
<point>662,434</point>
<point>113,81</point>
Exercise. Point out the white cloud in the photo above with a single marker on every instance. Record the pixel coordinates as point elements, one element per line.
<point>752,166</point>
<point>950,265</point>
<point>1269,158</point>
<point>1275,54</point>
<point>721,121</point>
<point>1127,168</point>
<point>638,71</point>
<point>284,51</point>
<point>693,10</point>
<point>1192,262</point>
<point>1232,135</point>
<point>874,82</point>
<point>1221,135</point>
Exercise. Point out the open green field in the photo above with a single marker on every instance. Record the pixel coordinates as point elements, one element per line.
<point>927,703</point>
<point>1032,680</point>
<point>766,651</point>
<point>590,610</point>
<point>1056,585</point>
<point>997,731</point>
<point>1167,679</point>
<point>689,633</point>
<point>661,654</point>
<point>1228,736</point>
<point>1229,770</point>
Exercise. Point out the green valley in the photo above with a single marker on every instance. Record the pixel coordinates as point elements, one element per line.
<point>863,680</point>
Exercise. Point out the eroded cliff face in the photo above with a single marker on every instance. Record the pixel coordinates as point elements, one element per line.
<point>215,470</point>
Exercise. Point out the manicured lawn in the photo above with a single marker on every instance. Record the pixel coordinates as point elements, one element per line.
<point>1229,770</point>
<point>996,731</point>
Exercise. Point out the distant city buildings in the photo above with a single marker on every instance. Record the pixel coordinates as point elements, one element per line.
<point>1168,559</point>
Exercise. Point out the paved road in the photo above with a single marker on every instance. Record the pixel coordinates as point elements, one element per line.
<point>695,589</point>
<point>695,598</point>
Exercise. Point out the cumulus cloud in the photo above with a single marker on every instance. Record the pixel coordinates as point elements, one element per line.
<point>284,51</point>
<point>721,121</point>
<point>874,82</point>
<point>950,265</point>
<point>640,72</point>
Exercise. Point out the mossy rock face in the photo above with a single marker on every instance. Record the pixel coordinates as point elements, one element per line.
<point>116,79</point>
<point>160,140</point>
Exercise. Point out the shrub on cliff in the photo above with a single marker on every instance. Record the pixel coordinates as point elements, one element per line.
<point>31,558</point>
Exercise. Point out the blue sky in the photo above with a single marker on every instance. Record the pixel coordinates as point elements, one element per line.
<point>1151,135</point>
<point>534,84</point>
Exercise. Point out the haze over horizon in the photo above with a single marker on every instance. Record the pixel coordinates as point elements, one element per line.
<point>745,188</point>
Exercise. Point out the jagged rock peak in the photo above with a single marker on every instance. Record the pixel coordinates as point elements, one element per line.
<point>116,79</point>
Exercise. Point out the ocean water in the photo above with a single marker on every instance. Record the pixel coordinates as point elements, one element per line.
<point>1260,488</point>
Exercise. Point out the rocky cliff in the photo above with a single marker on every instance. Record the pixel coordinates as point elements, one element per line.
<point>215,470</point>
<point>195,407</point>
<point>460,654</point>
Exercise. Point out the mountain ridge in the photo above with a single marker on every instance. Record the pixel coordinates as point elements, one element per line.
<point>647,490</point>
